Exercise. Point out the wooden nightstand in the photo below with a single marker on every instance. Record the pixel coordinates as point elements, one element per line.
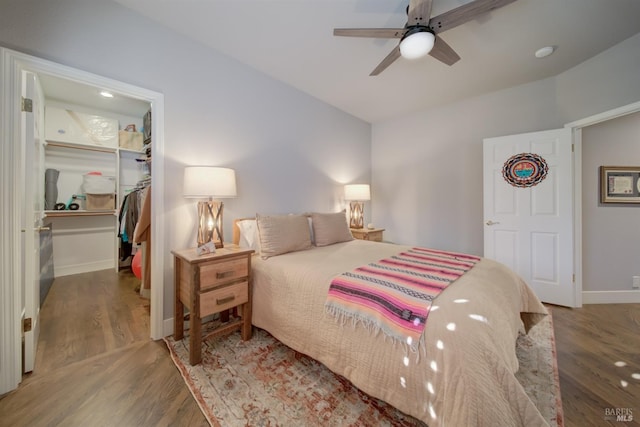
<point>375,234</point>
<point>209,284</point>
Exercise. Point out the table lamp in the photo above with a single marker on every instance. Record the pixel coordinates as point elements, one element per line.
<point>356,194</point>
<point>208,182</point>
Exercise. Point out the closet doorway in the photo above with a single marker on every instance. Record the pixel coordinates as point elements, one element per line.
<point>69,89</point>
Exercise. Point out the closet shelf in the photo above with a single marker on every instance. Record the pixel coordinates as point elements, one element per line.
<point>127,150</point>
<point>81,146</point>
<point>56,214</point>
<point>92,147</point>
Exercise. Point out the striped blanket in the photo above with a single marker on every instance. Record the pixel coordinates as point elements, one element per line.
<point>394,295</point>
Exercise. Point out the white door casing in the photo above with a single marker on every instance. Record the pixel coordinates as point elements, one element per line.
<point>531,229</point>
<point>10,226</point>
<point>12,64</point>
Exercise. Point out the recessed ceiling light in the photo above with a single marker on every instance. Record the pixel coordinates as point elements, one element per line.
<point>106,94</point>
<point>544,52</point>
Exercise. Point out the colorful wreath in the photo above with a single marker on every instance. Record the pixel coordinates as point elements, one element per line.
<point>525,170</point>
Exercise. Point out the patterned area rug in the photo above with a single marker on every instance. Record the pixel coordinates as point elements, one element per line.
<point>261,382</point>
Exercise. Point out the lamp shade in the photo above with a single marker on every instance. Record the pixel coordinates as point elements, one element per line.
<point>208,181</point>
<point>417,44</point>
<point>359,192</point>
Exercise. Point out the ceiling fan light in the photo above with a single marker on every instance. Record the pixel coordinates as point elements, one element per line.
<point>417,45</point>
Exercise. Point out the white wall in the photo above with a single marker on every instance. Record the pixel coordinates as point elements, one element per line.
<point>291,152</point>
<point>427,167</point>
<point>602,83</point>
<point>611,232</point>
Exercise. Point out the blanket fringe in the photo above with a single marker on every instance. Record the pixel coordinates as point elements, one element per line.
<point>395,294</point>
<point>343,317</point>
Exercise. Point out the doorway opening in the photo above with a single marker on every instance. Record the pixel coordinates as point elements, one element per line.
<point>63,85</point>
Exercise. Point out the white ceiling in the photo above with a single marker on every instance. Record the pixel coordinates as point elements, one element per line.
<point>292,41</point>
<point>72,92</point>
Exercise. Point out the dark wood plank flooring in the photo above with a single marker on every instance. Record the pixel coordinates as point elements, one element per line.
<point>96,366</point>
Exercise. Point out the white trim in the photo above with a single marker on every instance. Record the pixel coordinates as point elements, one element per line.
<point>168,327</point>
<point>158,215</point>
<point>10,304</point>
<point>67,270</point>
<point>577,215</point>
<point>611,297</point>
<point>603,117</point>
<point>10,259</point>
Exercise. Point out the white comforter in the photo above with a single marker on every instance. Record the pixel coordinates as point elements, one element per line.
<point>464,372</point>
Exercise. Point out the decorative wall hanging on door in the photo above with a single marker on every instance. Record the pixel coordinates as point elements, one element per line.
<point>525,170</point>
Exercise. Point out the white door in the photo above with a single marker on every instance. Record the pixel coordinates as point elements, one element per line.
<point>32,210</point>
<point>530,228</point>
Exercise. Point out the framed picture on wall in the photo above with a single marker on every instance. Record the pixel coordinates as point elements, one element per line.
<point>620,184</point>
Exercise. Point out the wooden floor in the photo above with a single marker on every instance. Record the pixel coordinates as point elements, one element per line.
<point>598,349</point>
<point>96,366</point>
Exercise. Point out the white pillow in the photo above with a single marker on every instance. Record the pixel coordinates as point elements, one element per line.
<point>249,237</point>
<point>313,238</point>
<point>280,234</point>
<point>330,228</point>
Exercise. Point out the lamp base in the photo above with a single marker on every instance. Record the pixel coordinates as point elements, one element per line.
<point>210,223</point>
<point>356,215</point>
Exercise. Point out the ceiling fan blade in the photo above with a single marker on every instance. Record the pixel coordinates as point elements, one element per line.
<point>393,55</point>
<point>385,33</point>
<point>419,12</point>
<point>443,52</point>
<point>464,13</point>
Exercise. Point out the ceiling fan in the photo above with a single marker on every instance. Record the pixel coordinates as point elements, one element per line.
<point>420,36</point>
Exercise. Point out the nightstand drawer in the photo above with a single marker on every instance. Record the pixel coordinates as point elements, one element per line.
<point>224,298</point>
<point>371,234</point>
<point>375,236</point>
<point>223,271</point>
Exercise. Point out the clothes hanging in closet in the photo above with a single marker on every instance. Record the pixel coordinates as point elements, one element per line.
<point>142,233</point>
<point>129,217</point>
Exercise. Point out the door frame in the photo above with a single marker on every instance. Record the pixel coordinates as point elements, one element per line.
<point>11,64</point>
<point>576,127</point>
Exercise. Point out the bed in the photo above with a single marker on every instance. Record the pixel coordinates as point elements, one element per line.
<point>462,373</point>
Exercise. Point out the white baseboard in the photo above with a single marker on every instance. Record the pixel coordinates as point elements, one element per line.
<point>611,297</point>
<point>167,327</point>
<point>67,270</point>
<point>145,293</point>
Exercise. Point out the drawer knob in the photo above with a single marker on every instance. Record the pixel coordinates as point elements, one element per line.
<point>223,274</point>
<point>225,300</point>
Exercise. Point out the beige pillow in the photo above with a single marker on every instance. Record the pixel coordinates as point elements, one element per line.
<point>280,234</point>
<point>330,228</point>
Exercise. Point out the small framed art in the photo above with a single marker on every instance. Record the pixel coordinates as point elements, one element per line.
<point>620,184</point>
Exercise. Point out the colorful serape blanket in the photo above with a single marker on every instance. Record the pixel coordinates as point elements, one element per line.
<point>394,295</point>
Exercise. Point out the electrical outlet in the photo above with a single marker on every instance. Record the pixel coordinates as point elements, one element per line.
<point>636,282</point>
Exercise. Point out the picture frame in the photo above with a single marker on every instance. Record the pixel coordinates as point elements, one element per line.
<point>619,184</point>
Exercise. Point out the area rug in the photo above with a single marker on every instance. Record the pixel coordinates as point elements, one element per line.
<point>261,382</point>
